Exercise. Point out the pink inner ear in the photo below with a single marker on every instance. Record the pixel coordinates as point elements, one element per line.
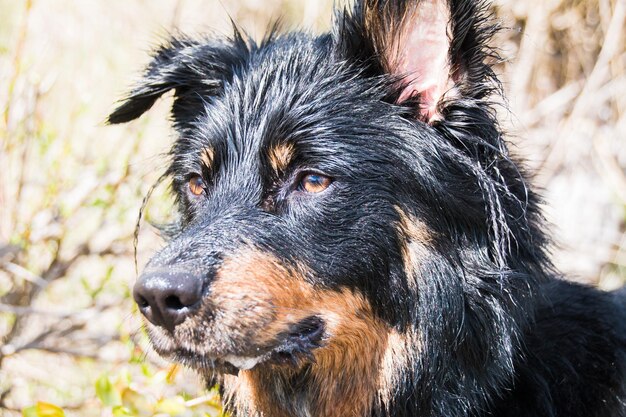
<point>422,50</point>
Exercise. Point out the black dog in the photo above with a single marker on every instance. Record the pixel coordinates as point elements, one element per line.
<point>354,237</point>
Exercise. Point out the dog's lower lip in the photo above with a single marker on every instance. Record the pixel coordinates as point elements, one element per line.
<point>201,361</point>
<point>299,343</point>
<point>292,347</point>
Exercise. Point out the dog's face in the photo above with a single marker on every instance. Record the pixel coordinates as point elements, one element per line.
<point>334,192</point>
<point>293,192</point>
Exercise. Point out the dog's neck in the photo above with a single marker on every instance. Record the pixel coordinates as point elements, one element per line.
<point>303,393</point>
<point>346,380</point>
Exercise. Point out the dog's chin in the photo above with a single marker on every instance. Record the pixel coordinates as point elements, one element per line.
<point>289,349</point>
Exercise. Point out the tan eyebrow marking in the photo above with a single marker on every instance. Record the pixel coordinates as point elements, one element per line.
<point>280,156</point>
<point>207,156</point>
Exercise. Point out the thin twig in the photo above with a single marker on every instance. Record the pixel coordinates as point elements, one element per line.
<point>23,273</point>
<point>81,314</point>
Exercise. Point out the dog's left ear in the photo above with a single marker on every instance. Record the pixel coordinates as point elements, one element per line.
<point>436,48</point>
<point>191,68</point>
<point>162,74</point>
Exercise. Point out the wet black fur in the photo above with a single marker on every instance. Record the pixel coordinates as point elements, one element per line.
<point>502,334</point>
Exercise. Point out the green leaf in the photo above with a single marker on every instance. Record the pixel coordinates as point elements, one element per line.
<point>30,411</point>
<point>145,369</point>
<point>121,411</point>
<point>107,392</point>
<point>99,203</point>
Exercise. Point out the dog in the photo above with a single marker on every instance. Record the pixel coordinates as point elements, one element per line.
<point>354,237</point>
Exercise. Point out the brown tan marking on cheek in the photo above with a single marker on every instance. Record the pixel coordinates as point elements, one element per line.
<point>280,156</point>
<point>343,381</point>
<point>254,291</point>
<point>347,370</point>
<point>345,376</point>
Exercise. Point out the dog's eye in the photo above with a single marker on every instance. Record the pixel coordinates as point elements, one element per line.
<point>314,183</point>
<point>197,186</point>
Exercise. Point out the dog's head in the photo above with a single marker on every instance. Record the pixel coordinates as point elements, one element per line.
<point>346,201</point>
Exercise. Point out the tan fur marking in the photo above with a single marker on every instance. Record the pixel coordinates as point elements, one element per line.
<point>415,238</point>
<point>343,382</point>
<point>280,156</point>
<point>352,356</point>
<point>413,229</point>
<point>207,157</point>
<point>402,349</point>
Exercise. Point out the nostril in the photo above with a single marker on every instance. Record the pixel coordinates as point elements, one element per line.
<point>142,302</point>
<point>173,302</point>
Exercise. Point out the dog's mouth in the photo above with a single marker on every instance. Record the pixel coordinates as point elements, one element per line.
<point>290,348</point>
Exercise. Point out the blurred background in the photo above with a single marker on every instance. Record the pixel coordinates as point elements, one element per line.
<point>70,187</point>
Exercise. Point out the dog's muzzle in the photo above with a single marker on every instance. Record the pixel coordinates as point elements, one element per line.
<point>167,297</point>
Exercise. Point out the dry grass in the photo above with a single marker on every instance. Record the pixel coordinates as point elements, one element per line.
<point>71,187</point>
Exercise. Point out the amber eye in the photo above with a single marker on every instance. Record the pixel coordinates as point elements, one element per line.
<point>314,183</point>
<point>197,185</point>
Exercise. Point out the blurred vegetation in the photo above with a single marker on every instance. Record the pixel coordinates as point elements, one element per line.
<point>71,341</point>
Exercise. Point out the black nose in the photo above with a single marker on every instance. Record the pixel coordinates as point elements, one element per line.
<point>167,297</point>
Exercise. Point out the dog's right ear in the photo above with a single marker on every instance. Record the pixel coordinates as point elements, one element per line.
<point>437,49</point>
<point>183,65</point>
